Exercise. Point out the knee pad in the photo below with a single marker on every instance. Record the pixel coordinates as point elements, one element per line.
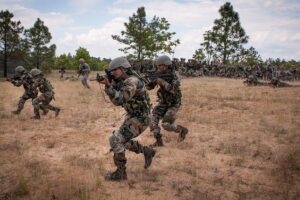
<point>168,127</point>
<point>116,141</point>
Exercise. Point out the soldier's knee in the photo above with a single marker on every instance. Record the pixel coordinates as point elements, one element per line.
<point>168,127</point>
<point>116,142</point>
<point>35,102</point>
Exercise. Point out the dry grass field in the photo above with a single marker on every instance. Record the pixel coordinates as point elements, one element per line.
<point>244,143</point>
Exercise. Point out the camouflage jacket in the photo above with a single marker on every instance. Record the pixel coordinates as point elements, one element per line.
<point>44,86</point>
<point>169,93</point>
<point>131,95</point>
<point>84,69</point>
<point>27,82</point>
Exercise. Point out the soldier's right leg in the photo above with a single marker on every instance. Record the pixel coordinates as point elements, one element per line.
<point>85,77</point>
<point>21,103</point>
<point>117,141</point>
<point>36,106</point>
<point>157,114</point>
<point>45,104</point>
<point>131,128</point>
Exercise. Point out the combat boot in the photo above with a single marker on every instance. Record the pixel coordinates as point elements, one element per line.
<point>16,112</point>
<point>57,112</point>
<point>45,112</point>
<point>183,132</point>
<point>149,153</point>
<point>120,174</point>
<point>36,117</point>
<point>157,143</point>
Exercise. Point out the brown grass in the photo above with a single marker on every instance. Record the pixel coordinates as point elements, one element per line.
<point>243,144</point>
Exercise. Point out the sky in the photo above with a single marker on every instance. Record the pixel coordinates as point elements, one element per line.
<point>273,26</point>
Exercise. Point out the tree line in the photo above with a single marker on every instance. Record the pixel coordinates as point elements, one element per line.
<point>142,39</point>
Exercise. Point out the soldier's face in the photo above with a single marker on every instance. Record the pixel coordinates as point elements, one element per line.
<point>161,68</point>
<point>117,73</point>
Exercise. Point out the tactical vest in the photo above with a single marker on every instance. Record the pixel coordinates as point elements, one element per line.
<point>139,104</point>
<point>168,98</point>
<point>45,86</point>
<point>28,85</point>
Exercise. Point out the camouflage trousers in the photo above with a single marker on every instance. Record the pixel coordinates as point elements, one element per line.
<point>167,115</point>
<point>84,79</point>
<point>43,102</point>
<point>23,99</point>
<point>132,127</point>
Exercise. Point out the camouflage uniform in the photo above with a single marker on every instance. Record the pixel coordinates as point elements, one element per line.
<point>84,71</point>
<point>128,92</point>
<point>275,82</point>
<point>62,72</point>
<point>44,99</point>
<point>251,80</point>
<point>169,97</point>
<point>23,78</point>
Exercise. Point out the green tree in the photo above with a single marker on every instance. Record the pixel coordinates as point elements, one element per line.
<point>199,55</point>
<point>144,39</point>
<point>38,38</point>
<point>9,37</point>
<point>62,61</point>
<point>227,35</point>
<point>252,57</point>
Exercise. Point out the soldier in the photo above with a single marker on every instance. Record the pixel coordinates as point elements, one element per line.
<point>84,71</point>
<point>22,77</point>
<point>251,80</point>
<point>169,97</point>
<point>62,71</point>
<point>275,82</point>
<point>44,99</point>
<point>126,89</point>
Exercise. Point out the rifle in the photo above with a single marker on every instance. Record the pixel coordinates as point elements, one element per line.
<point>151,75</point>
<point>99,78</point>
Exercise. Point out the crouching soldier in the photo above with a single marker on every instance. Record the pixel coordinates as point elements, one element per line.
<point>46,96</point>
<point>169,98</point>
<point>126,89</point>
<point>22,77</point>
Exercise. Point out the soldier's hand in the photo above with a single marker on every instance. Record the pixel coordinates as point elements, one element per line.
<point>105,82</point>
<point>159,81</point>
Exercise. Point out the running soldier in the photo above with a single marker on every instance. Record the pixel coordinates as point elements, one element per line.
<point>44,99</point>
<point>125,88</point>
<point>169,97</point>
<point>84,71</point>
<point>22,77</point>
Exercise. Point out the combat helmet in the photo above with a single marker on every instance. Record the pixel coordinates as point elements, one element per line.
<point>163,60</point>
<point>81,60</point>
<point>119,62</point>
<point>20,70</point>
<point>35,72</point>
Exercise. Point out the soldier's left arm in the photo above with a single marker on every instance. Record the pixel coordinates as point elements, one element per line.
<point>170,87</point>
<point>120,97</point>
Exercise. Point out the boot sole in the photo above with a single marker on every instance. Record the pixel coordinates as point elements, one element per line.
<point>152,156</point>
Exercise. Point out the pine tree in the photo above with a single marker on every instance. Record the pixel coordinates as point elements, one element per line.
<point>9,36</point>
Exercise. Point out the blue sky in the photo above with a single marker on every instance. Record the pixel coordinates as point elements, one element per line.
<point>273,25</point>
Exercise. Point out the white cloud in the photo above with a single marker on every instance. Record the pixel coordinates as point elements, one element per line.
<point>268,23</point>
<point>28,16</point>
<point>98,41</point>
<point>273,26</point>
